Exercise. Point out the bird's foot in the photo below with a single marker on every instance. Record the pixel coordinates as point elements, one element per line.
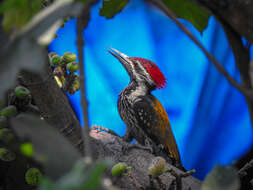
<point>103,129</point>
<point>127,147</point>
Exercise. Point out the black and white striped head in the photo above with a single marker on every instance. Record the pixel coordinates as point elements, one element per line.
<point>140,70</point>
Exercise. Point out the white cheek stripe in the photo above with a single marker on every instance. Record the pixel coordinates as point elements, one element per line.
<point>148,78</point>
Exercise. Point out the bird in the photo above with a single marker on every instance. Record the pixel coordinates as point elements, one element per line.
<point>146,119</point>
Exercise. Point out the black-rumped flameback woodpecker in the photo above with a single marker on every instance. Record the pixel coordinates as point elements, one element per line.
<point>142,112</point>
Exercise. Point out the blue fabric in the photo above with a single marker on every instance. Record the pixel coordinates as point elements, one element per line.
<point>209,117</point>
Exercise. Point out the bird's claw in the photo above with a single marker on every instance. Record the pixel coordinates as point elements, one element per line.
<point>137,146</point>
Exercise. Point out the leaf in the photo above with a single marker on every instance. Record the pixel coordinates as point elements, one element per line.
<point>190,11</point>
<point>111,7</point>
<point>222,178</point>
<point>47,184</point>
<point>24,51</point>
<point>17,13</point>
<point>94,179</point>
<point>50,148</point>
<point>82,176</point>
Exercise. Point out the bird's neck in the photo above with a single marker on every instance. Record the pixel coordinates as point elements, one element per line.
<point>135,90</point>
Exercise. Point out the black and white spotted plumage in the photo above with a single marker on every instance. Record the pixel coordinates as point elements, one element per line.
<point>143,114</point>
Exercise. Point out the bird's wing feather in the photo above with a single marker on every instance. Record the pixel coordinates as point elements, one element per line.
<point>154,121</point>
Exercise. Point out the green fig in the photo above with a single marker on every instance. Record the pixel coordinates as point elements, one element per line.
<point>55,60</point>
<point>6,155</point>
<point>21,92</point>
<point>119,169</point>
<point>51,54</point>
<point>157,166</point>
<point>66,19</point>
<point>33,176</point>
<point>9,111</point>
<point>72,67</point>
<point>75,86</point>
<point>27,149</point>
<point>62,25</point>
<point>3,122</point>
<point>69,57</point>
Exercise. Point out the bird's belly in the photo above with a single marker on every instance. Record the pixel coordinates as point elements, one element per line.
<point>129,118</point>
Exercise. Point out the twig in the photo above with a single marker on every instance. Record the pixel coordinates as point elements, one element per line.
<point>173,185</point>
<point>134,181</point>
<point>84,102</point>
<point>69,82</point>
<point>243,171</point>
<point>152,185</point>
<point>170,14</point>
<point>178,177</point>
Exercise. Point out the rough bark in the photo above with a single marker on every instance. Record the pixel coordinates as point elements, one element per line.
<point>53,104</point>
<point>108,146</point>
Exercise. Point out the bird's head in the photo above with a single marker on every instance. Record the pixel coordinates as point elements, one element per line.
<point>142,71</point>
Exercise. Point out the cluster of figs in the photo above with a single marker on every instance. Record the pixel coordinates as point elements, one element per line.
<point>156,168</point>
<point>65,67</point>
<point>19,100</point>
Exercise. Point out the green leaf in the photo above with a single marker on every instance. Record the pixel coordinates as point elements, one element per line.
<point>27,149</point>
<point>47,184</point>
<point>17,13</point>
<point>111,7</point>
<point>83,176</point>
<point>222,178</point>
<point>190,11</point>
<point>94,180</point>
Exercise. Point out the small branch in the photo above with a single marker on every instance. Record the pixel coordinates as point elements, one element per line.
<point>178,177</point>
<point>82,22</point>
<point>134,181</point>
<point>84,102</point>
<point>170,14</point>
<point>243,171</point>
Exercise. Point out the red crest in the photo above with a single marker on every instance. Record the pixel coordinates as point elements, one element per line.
<point>153,71</point>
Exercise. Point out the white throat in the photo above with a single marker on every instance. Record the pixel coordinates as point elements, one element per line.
<point>139,91</point>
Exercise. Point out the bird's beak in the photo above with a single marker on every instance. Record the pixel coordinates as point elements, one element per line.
<point>124,59</point>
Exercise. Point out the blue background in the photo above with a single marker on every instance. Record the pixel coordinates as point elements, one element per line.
<point>209,117</point>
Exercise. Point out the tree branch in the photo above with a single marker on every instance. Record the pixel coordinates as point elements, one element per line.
<point>106,145</point>
<point>246,92</point>
<point>84,102</point>
<point>53,104</point>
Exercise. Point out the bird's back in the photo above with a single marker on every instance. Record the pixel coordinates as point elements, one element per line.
<point>154,121</point>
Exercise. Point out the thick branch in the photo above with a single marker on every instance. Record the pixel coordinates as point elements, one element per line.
<point>109,146</point>
<point>53,104</point>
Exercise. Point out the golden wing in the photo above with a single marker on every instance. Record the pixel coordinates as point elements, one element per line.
<point>154,121</point>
